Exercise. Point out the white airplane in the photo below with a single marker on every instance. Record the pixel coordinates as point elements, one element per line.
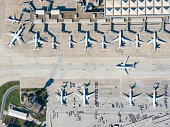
<point>154,98</point>
<point>137,41</point>
<point>85,95</point>
<point>155,40</point>
<point>86,39</point>
<point>62,95</point>
<point>16,36</point>
<point>104,43</point>
<point>36,40</point>
<point>70,42</point>
<point>131,98</point>
<point>53,44</point>
<point>123,66</point>
<point>121,39</point>
<point>13,20</point>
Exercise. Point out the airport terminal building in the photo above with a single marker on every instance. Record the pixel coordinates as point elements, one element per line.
<point>135,8</point>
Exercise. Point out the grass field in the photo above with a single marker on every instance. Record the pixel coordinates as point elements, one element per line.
<point>5,87</point>
<point>14,122</point>
<point>14,98</point>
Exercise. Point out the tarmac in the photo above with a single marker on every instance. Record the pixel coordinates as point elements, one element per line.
<point>35,68</point>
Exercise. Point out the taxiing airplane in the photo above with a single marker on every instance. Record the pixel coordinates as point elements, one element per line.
<point>137,41</point>
<point>154,98</point>
<point>53,44</point>
<point>123,66</point>
<point>85,95</point>
<point>155,40</point>
<point>87,39</point>
<point>62,95</point>
<point>121,39</point>
<point>70,42</point>
<point>16,36</point>
<point>13,20</point>
<point>131,98</point>
<point>36,40</point>
<point>104,43</point>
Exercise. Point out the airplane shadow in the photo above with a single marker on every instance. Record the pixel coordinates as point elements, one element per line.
<point>80,29</point>
<point>96,28</point>
<point>146,29</point>
<point>63,29</point>
<point>129,29</point>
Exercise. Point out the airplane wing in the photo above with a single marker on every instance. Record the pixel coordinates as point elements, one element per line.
<point>31,41</point>
<point>115,40</point>
<point>11,34</point>
<point>67,95</point>
<point>41,41</point>
<point>136,96</point>
<point>125,40</point>
<point>81,97</point>
<point>18,41</point>
<point>159,41</point>
<point>150,41</point>
<point>81,41</point>
<point>57,95</point>
<point>125,71</point>
<point>126,95</point>
<point>124,63</point>
<point>149,96</point>
<point>91,41</point>
<point>159,97</point>
<point>89,95</point>
<point>80,92</point>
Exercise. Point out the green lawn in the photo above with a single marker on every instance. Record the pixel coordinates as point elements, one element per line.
<point>36,117</point>
<point>5,87</point>
<point>14,98</point>
<point>14,122</point>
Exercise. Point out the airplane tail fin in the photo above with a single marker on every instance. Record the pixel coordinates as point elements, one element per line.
<point>9,44</point>
<point>86,48</point>
<point>36,49</point>
<point>119,47</point>
<point>154,49</point>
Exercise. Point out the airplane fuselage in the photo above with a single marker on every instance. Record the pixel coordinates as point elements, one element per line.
<point>53,43</point>
<point>154,41</point>
<point>84,96</point>
<point>154,99</point>
<point>36,41</point>
<point>130,98</point>
<point>126,66</point>
<point>70,42</point>
<point>13,20</point>
<point>86,41</point>
<point>15,37</point>
<point>62,95</point>
<point>137,41</point>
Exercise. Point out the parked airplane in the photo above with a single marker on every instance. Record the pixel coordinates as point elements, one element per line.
<point>137,41</point>
<point>154,98</point>
<point>155,40</point>
<point>16,36</point>
<point>13,20</point>
<point>123,66</point>
<point>85,95</point>
<point>62,95</point>
<point>86,39</point>
<point>36,40</point>
<point>70,42</point>
<point>104,43</point>
<point>53,44</point>
<point>131,98</point>
<point>121,39</point>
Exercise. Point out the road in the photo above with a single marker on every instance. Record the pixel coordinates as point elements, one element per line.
<point>4,99</point>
